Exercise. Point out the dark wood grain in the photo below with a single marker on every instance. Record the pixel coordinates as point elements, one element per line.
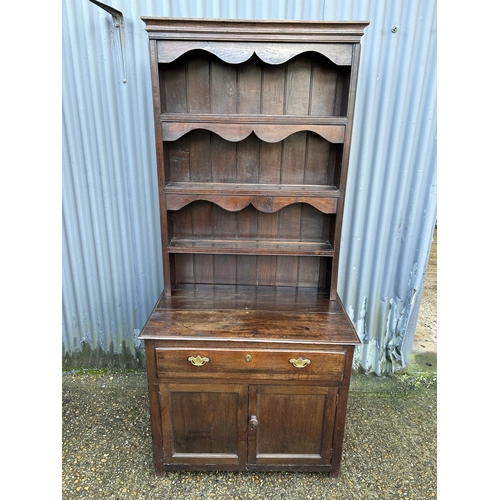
<point>236,128</point>
<point>240,297</point>
<point>295,424</point>
<point>255,325</point>
<point>236,52</point>
<point>156,93</point>
<point>198,85</point>
<point>155,413</point>
<point>341,411</point>
<point>249,350</point>
<point>307,84</point>
<point>330,32</point>
<point>263,364</point>
<point>191,435</point>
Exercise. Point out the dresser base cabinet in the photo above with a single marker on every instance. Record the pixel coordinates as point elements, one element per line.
<point>244,389</point>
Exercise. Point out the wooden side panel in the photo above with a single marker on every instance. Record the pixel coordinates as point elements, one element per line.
<point>156,88</point>
<point>154,408</point>
<point>342,101</point>
<point>338,436</point>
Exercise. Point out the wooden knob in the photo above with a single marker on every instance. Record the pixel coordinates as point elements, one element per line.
<point>253,422</point>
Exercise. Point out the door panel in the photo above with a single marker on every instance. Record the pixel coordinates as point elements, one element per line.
<point>204,423</point>
<point>295,424</point>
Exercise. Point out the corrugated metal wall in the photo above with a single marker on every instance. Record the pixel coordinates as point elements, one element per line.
<point>111,254</point>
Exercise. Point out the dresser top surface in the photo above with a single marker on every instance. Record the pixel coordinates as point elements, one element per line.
<point>250,313</point>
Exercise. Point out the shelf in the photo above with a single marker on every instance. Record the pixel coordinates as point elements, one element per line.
<point>280,299</point>
<point>247,247</point>
<point>236,127</point>
<point>232,118</point>
<point>267,198</point>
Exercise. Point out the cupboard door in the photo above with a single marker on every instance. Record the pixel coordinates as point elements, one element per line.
<point>291,425</point>
<point>204,423</point>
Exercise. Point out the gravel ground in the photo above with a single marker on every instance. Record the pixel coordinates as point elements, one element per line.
<point>389,446</point>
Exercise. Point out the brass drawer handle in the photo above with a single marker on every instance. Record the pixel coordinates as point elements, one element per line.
<point>198,361</point>
<point>300,363</point>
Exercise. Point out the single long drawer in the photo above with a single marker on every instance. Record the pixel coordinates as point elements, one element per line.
<point>256,364</point>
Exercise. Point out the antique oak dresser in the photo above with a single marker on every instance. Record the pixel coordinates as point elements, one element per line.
<point>249,349</point>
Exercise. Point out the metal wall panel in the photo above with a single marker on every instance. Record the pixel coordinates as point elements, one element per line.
<point>111,254</point>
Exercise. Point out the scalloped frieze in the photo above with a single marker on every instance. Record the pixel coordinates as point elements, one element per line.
<point>267,204</point>
<point>239,52</point>
<point>266,132</point>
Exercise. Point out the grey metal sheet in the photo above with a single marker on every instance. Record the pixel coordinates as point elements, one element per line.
<point>111,255</point>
